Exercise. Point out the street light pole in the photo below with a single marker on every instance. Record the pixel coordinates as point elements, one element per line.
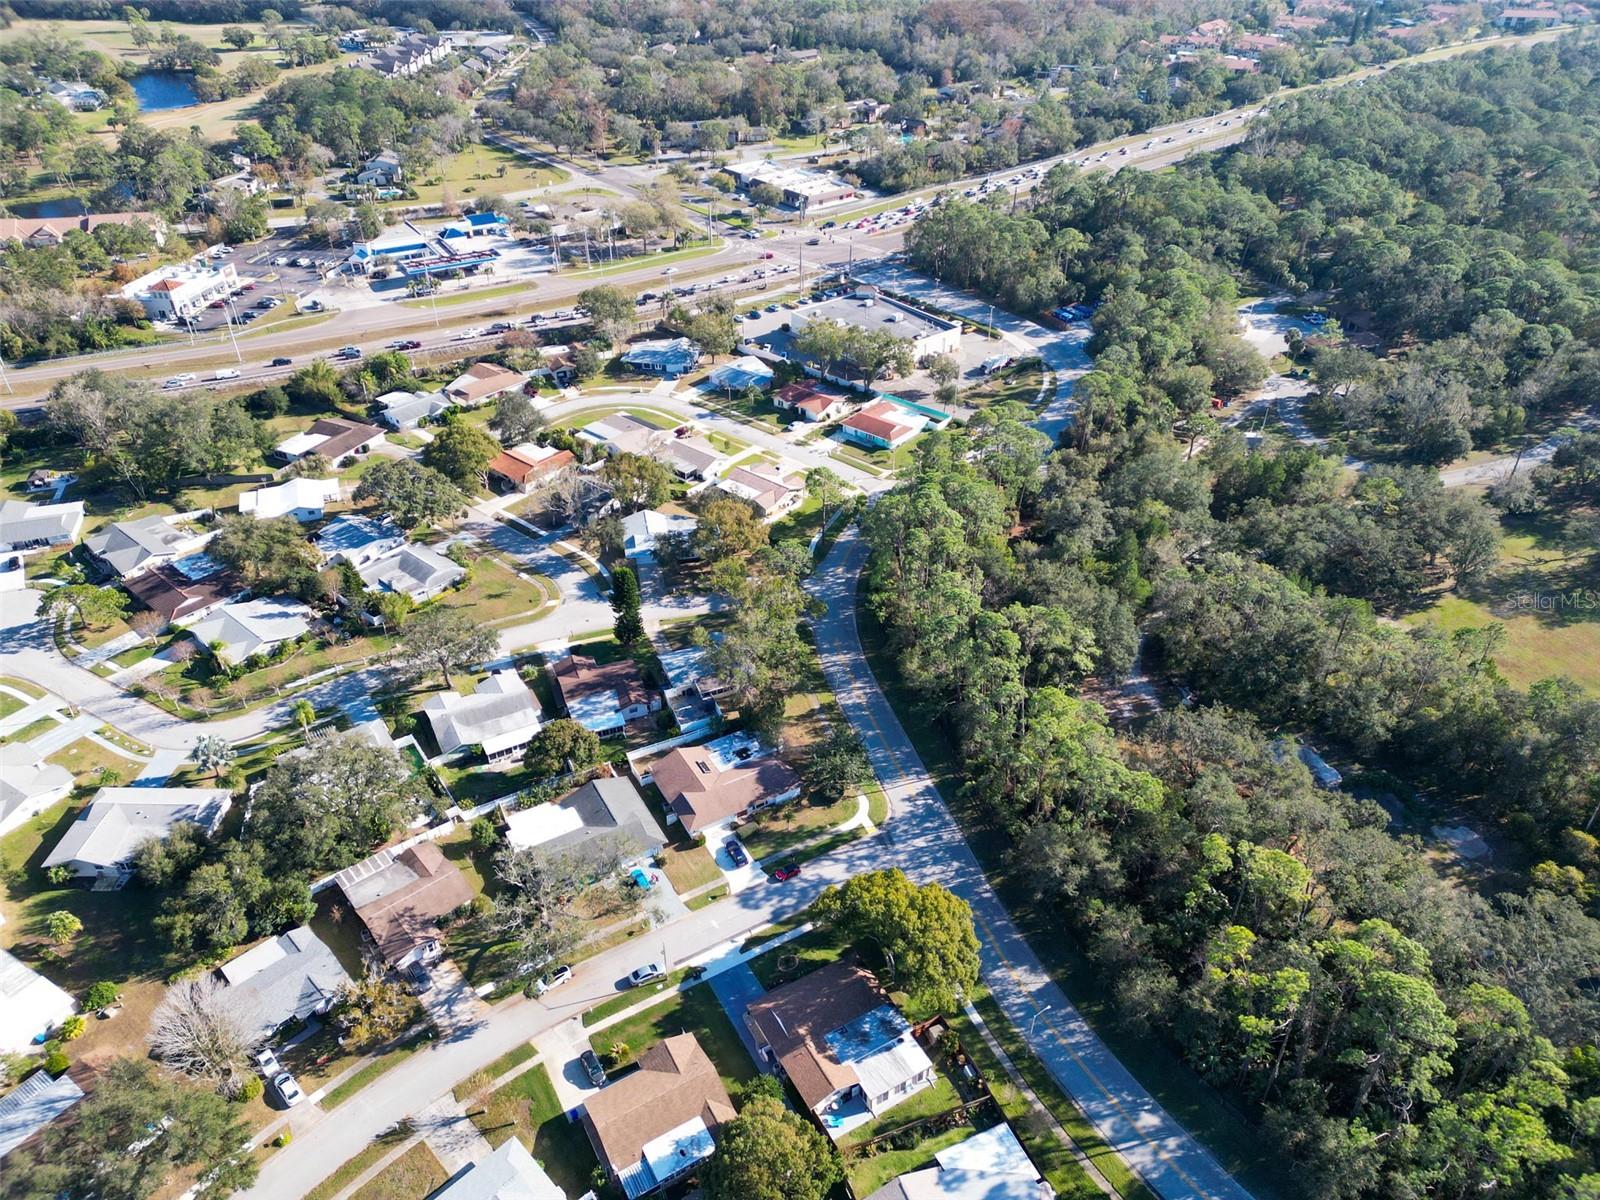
<point>1036,1017</point>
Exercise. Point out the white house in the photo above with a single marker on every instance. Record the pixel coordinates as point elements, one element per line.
<point>26,527</point>
<point>291,977</point>
<point>510,1173</point>
<point>501,717</point>
<point>100,843</point>
<point>641,530</point>
<point>27,789</point>
<point>768,489</point>
<point>420,572</point>
<point>882,425</point>
<point>303,499</point>
<point>383,169</point>
<point>991,1165</point>
<point>407,410</point>
<point>245,627</point>
<point>30,1005</point>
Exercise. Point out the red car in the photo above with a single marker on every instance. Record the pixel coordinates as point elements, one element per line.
<point>786,872</point>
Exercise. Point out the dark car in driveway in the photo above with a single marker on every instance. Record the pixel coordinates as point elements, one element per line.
<point>735,852</point>
<point>590,1062</point>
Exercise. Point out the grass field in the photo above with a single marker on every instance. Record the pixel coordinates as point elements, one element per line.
<point>527,1109</point>
<point>1541,592</point>
<point>481,170</point>
<point>415,1173</point>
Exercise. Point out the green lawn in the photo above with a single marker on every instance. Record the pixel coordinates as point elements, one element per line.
<point>1019,384</point>
<point>31,730</point>
<point>689,867</point>
<point>694,1010</point>
<point>695,903</point>
<point>514,1057</point>
<point>940,1096</point>
<point>527,1108</point>
<point>497,595</point>
<point>867,1175</point>
<point>415,1173</point>
<point>375,1069</point>
<point>775,830</point>
<point>481,170</point>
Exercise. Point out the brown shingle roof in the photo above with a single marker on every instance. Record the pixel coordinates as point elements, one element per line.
<point>343,436</point>
<point>675,1083</point>
<point>806,397</point>
<point>794,1019</point>
<point>482,379</point>
<point>174,595</point>
<point>702,795</point>
<point>519,466</point>
<point>405,916</point>
<point>578,676</point>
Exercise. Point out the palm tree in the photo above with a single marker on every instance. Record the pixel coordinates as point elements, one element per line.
<point>303,712</point>
<point>212,753</point>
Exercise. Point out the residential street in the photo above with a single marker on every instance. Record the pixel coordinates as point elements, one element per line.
<point>926,842</point>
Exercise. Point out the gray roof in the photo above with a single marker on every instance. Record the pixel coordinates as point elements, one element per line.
<point>22,522</point>
<point>345,534</point>
<point>34,1103</point>
<point>294,975</point>
<point>405,413</point>
<point>608,807</point>
<point>510,1173</point>
<point>23,781</point>
<point>127,545</point>
<point>118,819</point>
<point>412,570</point>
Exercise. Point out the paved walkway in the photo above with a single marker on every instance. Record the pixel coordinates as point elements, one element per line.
<point>160,768</point>
<point>929,846</point>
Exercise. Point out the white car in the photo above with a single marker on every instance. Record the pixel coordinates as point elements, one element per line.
<point>227,373</point>
<point>554,979</point>
<point>288,1089</point>
<point>269,1064</point>
<point>646,974</point>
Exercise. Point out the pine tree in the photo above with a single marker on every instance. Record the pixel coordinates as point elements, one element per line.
<point>629,626</point>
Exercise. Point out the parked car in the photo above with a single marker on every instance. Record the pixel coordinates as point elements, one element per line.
<point>786,872</point>
<point>592,1068</point>
<point>735,852</point>
<point>562,974</point>
<point>648,973</point>
<point>288,1089</point>
<point>268,1063</point>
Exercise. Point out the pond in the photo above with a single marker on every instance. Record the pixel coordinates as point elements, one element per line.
<point>158,91</point>
<point>63,206</point>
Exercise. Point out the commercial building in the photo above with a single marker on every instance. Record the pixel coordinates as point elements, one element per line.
<point>175,293</point>
<point>658,1123</point>
<point>30,1005</point>
<point>708,786</point>
<point>401,897</point>
<point>867,309</point>
<point>291,977</point>
<point>800,189</point>
<point>847,1050</point>
<point>99,845</point>
<point>500,718</point>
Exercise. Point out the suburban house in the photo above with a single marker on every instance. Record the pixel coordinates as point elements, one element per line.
<point>708,786</point>
<point>808,401</point>
<point>407,410</point>
<point>400,897</point>
<point>291,977</point>
<point>100,843</point>
<point>658,1123</point>
<point>847,1050</point>
<point>524,467</point>
<point>331,437</point>
<point>991,1165</point>
<point>76,95</point>
<point>33,1104</point>
<point>483,381</point>
<point>358,540</point>
<point>500,717</point>
<point>383,169</point>
<point>668,357</point>
<point>26,527</point>
<point>303,499</point>
<point>127,548</point>
<point>692,457</point>
<point>603,697</point>
<point>741,373</point>
<point>510,1173</point>
<point>420,572</point>
<point>691,690</point>
<point>51,231</point>
<point>589,822</point>
<point>173,293</point>
<point>27,789</point>
<point>621,433</point>
<point>642,530</point>
<point>185,590</point>
<point>241,628</point>
<point>30,1005</point>
<point>767,488</point>
<point>881,425</point>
